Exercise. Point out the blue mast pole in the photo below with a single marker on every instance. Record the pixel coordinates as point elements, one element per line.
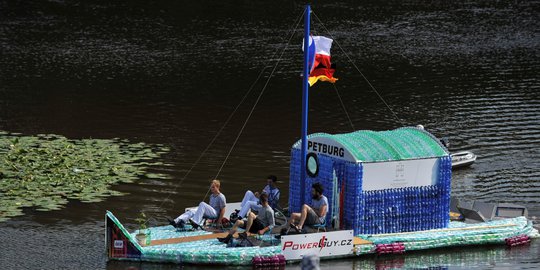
<point>305,92</point>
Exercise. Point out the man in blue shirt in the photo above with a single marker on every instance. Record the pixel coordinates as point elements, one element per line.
<point>314,214</point>
<point>251,200</point>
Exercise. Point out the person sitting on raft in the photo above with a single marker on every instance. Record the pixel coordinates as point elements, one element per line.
<point>214,210</point>
<point>251,200</point>
<point>314,214</point>
<point>259,224</point>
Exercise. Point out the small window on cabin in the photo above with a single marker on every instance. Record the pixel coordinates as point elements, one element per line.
<point>312,165</point>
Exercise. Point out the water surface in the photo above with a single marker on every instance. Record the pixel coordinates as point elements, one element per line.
<point>171,73</point>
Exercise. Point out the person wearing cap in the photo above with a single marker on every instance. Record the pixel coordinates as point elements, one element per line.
<point>251,200</point>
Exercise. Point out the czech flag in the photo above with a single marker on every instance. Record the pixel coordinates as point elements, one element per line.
<point>319,60</point>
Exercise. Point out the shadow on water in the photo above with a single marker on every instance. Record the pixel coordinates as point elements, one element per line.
<point>474,257</point>
<point>171,73</point>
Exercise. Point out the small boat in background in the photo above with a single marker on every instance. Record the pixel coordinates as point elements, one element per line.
<point>462,159</point>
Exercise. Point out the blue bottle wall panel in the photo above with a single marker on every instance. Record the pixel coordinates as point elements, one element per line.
<point>407,209</point>
<point>377,211</point>
<point>353,207</point>
<point>294,182</point>
<point>324,177</point>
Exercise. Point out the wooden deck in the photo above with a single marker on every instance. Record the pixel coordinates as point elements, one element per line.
<point>356,241</point>
<point>190,238</point>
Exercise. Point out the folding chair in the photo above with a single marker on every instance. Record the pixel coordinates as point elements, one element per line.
<point>319,227</point>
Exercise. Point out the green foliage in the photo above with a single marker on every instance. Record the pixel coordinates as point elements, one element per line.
<point>141,220</point>
<point>44,171</point>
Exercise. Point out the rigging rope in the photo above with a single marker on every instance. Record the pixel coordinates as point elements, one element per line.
<point>256,101</point>
<point>215,137</point>
<point>335,88</point>
<point>343,106</point>
<point>228,120</point>
<point>363,76</point>
<point>298,20</point>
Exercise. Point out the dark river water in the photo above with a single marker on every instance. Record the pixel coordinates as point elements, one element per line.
<point>171,73</point>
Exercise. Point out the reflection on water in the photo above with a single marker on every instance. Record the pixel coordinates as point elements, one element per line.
<point>475,257</point>
<point>454,258</point>
<point>171,73</point>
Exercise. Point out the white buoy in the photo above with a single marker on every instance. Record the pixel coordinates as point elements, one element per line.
<point>310,262</point>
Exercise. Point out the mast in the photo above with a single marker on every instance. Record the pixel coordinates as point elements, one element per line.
<point>305,92</point>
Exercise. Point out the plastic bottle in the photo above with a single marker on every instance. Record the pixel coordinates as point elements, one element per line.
<point>148,237</point>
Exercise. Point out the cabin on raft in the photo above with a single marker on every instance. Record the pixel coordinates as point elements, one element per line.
<point>376,182</point>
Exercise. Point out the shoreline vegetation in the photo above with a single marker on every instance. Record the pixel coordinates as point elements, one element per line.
<point>45,171</point>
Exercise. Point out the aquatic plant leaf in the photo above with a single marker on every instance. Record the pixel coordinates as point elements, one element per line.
<point>156,176</point>
<point>46,170</point>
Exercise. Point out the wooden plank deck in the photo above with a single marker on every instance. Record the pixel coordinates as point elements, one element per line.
<point>190,238</point>
<point>356,240</point>
<point>359,241</point>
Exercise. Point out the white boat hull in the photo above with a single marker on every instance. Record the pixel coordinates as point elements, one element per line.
<point>462,159</point>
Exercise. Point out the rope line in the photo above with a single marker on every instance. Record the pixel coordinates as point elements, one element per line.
<point>343,106</point>
<point>363,76</point>
<point>256,102</point>
<point>226,123</point>
<point>215,137</point>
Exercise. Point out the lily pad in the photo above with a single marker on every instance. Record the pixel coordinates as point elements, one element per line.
<point>46,170</point>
